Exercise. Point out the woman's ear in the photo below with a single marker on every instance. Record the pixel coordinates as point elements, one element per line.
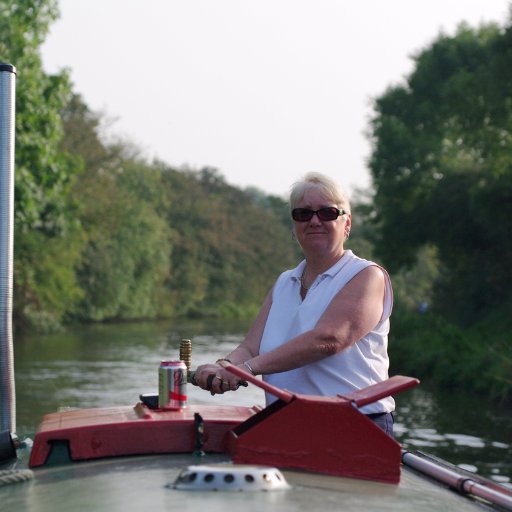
<point>348,225</point>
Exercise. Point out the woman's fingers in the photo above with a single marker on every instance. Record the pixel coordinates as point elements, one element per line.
<point>203,372</point>
<point>222,383</point>
<point>215,379</point>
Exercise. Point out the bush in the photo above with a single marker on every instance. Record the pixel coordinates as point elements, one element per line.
<point>440,354</point>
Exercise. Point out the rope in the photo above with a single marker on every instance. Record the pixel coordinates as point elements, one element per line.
<point>13,476</point>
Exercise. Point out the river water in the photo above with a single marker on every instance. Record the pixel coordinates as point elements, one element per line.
<point>111,364</point>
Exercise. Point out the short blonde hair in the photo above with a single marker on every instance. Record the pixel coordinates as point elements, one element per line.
<point>326,185</point>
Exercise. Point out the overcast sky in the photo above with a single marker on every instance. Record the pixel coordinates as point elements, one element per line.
<point>264,90</point>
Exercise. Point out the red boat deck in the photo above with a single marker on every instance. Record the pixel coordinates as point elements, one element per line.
<point>119,431</point>
<point>321,434</point>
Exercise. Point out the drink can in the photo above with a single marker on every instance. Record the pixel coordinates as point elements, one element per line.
<point>172,385</point>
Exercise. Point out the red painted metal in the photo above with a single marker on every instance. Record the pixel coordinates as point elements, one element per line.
<point>322,434</point>
<point>282,394</point>
<point>120,431</point>
<point>319,434</point>
<point>393,385</point>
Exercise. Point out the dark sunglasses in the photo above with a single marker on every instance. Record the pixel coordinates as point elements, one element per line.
<point>306,214</point>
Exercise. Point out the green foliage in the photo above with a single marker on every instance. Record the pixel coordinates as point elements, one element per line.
<point>414,286</point>
<point>102,234</point>
<point>124,263</point>
<point>228,248</point>
<point>442,172</point>
<point>163,242</point>
<point>46,233</point>
<point>442,169</point>
<point>443,355</point>
<point>43,171</point>
<point>45,280</point>
<point>125,260</point>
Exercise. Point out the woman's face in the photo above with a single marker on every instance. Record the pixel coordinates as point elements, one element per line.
<point>315,235</point>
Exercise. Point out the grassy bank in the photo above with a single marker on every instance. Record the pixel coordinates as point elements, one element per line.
<point>477,359</point>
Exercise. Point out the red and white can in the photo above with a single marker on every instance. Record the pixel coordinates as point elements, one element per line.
<point>172,385</point>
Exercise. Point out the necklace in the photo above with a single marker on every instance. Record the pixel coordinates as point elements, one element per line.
<point>302,280</point>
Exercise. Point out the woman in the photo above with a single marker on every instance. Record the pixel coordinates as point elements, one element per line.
<point>323,328</point>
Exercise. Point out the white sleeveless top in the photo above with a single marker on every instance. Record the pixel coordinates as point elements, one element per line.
<point>364,363</point>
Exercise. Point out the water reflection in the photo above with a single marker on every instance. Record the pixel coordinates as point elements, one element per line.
<point>466,431</point>
<point>106,365</point>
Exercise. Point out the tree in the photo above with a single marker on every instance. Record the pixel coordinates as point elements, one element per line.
<point>125,259</point>
<point>228,248</point>
<point>44,222</point>
<point>43,171</point>
<point>442,168</point>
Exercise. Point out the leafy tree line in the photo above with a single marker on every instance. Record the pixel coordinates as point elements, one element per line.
<point>44,216</point>
<point>442,169</point>
<point>101,234</point>
<point>153,241</point>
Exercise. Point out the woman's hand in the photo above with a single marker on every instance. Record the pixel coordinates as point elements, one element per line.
<point>216,379</point>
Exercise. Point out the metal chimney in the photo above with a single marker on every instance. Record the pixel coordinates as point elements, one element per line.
<point>7,119</point>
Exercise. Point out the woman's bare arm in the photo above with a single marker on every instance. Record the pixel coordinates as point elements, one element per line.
<point>353,312</point>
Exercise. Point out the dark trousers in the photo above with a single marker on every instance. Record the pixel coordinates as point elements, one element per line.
<point>384,420</point>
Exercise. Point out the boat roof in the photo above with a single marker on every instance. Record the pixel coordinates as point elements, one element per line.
<point>299,452</point>
<point>148,483</point>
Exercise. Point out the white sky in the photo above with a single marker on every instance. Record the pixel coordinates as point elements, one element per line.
<point>263,90</point>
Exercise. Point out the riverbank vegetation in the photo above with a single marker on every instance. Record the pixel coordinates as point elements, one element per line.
<point>102,234</point>
<point>442,171</point>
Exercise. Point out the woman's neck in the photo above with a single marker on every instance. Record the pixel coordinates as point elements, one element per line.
<point>317,264</point>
